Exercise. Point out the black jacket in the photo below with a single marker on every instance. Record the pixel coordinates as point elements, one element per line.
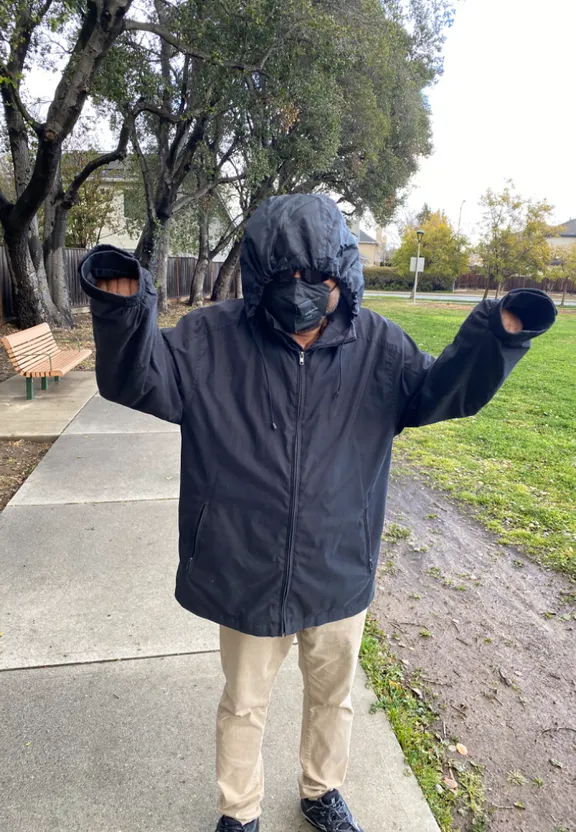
<point>286,454</point>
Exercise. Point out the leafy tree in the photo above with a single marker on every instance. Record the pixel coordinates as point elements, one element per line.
<point>424,214</point>
<point>563,267</point>
<point>96,205</point>
<point>514,236</point>
<point>445,252</point>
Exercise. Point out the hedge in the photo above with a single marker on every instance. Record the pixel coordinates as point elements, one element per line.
<point>385,279</point>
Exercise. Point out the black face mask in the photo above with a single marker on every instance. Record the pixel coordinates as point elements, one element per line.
<point>296,304</point>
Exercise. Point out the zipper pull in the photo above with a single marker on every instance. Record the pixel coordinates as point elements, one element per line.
<point>301,358</point>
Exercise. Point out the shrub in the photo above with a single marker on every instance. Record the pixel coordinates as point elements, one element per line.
<point>385,279</point>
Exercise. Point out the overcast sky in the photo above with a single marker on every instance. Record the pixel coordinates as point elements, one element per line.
<point>504,108</point>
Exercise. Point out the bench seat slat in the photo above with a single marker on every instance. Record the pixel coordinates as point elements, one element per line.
<point>62,364</point>
<point>26,335</point>
<point>40,345</point>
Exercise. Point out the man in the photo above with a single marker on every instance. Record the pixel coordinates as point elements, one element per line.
<point>288,403</point>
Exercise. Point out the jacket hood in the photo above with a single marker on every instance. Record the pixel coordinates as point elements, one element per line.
<point>299,231</point>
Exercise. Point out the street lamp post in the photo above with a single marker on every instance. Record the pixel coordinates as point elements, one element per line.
<point>460,217</point>
<point>419,234</point>
<point>458,237</point>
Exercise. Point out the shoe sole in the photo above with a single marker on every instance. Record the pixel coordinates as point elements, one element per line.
<point>316,825</point>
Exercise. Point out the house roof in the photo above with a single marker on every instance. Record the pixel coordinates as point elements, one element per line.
<point>568,229</point>
<point>365,238</point>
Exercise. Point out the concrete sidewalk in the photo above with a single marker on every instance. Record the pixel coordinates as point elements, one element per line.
<point>108,688</point>
<point>45,417</point>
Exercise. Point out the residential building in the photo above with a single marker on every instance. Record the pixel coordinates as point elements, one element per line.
<point>566,237</point>
<point>371,248</point>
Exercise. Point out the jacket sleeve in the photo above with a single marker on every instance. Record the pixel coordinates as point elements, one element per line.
<point>471,370</point>
<point>135,363</point>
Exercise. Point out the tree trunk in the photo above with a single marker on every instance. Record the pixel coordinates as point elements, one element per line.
<point>161,276</point>
<point>497,293</point>
<point>223,282</point>
<point>564,288</point>
<point>238,281</point>
<point>487,289</point>
<point>197,287</point>
<point>29,302</point>
<point>152,252</point>
<point>55,263</point>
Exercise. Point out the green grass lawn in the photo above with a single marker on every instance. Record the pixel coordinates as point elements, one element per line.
<point>516,460</point>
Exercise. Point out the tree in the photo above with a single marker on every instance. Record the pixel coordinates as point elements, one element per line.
<point>445,252</point>
<point>563,267</point>
<point>87,30</point>
<point>186,136</point>
<point>338,107</point>
<point>514,236</point>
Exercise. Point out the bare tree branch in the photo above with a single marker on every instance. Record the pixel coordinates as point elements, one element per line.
<point>203,190</point>
<point>150,212</point>
<point>71,195</point>
<point>186,49</point>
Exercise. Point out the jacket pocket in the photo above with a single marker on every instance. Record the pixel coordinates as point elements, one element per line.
<point>367,540</point>
<point>195,536</point>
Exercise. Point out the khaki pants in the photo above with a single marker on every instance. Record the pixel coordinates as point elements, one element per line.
<point>328,657</point>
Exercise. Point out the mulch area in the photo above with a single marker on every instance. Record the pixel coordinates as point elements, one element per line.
<point>17,461</point>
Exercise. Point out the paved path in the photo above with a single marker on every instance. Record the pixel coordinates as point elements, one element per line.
<point>442,297</point>
<point>45,417</point>
<point>108,689</point>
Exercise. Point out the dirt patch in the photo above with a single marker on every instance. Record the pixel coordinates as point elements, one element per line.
<point>17,461</point>
<point>490,638</point>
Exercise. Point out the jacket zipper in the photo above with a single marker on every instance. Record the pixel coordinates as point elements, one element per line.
<point>288,561</point>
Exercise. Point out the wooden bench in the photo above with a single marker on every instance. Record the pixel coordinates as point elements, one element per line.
<point>35,354</point>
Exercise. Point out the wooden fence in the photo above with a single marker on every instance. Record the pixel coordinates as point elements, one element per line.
<point>180,272</point>
<point>478,281</point>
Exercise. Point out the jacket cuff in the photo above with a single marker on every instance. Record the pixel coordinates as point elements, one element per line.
<point>535,309</point>
<point>105,262</point>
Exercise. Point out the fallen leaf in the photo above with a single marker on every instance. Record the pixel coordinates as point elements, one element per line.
<point>520,805</point>
<point>450,784</point>
<point>461,749</point>
<point>556,763</point>
<point>417,691</point>
<point>452,748</point>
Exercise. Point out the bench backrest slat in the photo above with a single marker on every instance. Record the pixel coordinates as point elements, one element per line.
<point>30,346</point>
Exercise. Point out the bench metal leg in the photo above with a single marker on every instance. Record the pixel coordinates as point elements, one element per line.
<point>56,379</point>
<point>29,388</point>
<point>44,382</point>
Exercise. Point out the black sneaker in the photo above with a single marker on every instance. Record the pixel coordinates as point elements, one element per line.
<point>226,824</point>
<point>330,813</point>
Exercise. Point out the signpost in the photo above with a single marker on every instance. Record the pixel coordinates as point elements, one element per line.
<point>416,266</point>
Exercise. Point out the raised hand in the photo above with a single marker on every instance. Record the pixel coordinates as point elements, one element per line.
<point>511,322</point>
<point>125,286</point>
